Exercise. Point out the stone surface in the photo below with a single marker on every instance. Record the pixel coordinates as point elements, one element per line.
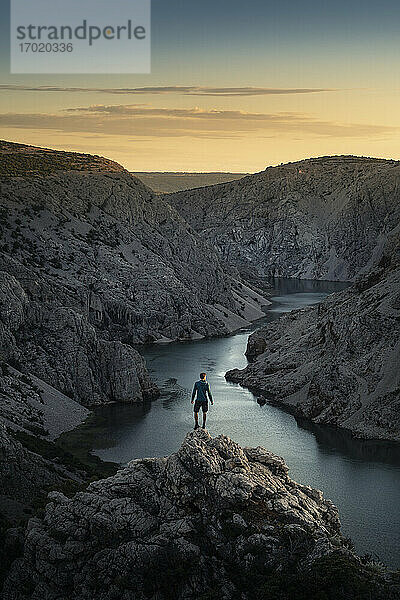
<point>212,521</point>
<point>338,362</point>
<point>321,218</point>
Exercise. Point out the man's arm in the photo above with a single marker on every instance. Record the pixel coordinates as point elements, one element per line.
<point>194,392</point>
<point>209,393</point>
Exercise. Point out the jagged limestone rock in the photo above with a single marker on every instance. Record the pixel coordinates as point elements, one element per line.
<point>63,349</point>
<point>213,520</point>
<point>321,218</point>
<point>338,362</point>
<point>60,347</point>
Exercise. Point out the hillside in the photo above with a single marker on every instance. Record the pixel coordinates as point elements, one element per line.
<point>21,160</point>
<point>337,363</point>
<point>321,218</point>
<point>93,262</point>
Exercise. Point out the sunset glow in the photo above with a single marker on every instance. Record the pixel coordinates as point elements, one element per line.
<point>230,90</point>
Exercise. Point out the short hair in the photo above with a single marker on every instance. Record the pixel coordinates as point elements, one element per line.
<point>202,375</point>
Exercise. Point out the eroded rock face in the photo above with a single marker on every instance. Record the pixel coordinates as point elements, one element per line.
<point>112,249</point>
<point>323,218</point>
<point>63,349</point>
<point>337,363</point>
<point>202,521</point>
<point>91,263</point>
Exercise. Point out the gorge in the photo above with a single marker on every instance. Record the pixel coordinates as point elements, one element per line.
<point>95,267</point>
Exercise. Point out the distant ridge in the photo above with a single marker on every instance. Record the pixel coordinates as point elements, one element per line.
<point>170,182</point>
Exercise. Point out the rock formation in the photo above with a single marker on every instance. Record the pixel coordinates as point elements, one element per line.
<point>321,218</point>
<point>92,262</point>
<point>338,362</point>
<point>212,521</point>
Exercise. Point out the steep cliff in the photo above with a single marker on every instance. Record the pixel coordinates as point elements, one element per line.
<point>92,262</point>
<point>337,363</point>
<point>321,218</point>
<point>60,347</point>
<point>212,521</point>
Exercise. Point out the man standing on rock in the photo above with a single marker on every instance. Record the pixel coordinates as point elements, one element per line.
<point>201,391</point>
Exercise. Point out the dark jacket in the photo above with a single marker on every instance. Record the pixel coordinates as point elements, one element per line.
<point>202,389</point>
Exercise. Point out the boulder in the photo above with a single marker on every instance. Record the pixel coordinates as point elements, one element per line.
<point>213,520</point>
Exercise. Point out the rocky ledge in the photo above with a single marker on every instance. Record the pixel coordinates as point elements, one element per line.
<point>213,520</point>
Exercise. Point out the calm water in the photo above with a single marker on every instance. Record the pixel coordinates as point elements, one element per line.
<point>361,477</point>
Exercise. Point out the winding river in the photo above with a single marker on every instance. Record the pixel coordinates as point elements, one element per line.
<point>361,477</point>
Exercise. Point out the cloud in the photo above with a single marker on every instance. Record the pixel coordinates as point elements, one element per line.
<point>191,90</point>
<point>144,121</point>
<point>134,110</point>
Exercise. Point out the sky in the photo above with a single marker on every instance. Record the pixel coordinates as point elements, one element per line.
<point>234,86</point>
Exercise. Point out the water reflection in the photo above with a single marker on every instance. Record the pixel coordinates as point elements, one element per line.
<point>294,286</point>
<point>332,440</point>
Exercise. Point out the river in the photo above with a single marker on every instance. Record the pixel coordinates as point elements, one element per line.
<point>361,477</point>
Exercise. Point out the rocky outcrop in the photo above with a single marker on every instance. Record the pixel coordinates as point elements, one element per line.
<point>212,521</point>
<point>321,218</point>
<point>63,349</point>
<point>337,363</point>
<point>60,347</point>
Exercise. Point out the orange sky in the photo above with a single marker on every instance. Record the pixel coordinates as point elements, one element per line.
<point>172,132</point>
<point>233,90</point>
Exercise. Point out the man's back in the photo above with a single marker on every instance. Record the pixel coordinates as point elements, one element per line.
<point>202,393</point>
<point>201,390</point>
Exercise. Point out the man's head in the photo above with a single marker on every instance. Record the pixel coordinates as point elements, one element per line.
<point>202,376</point>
